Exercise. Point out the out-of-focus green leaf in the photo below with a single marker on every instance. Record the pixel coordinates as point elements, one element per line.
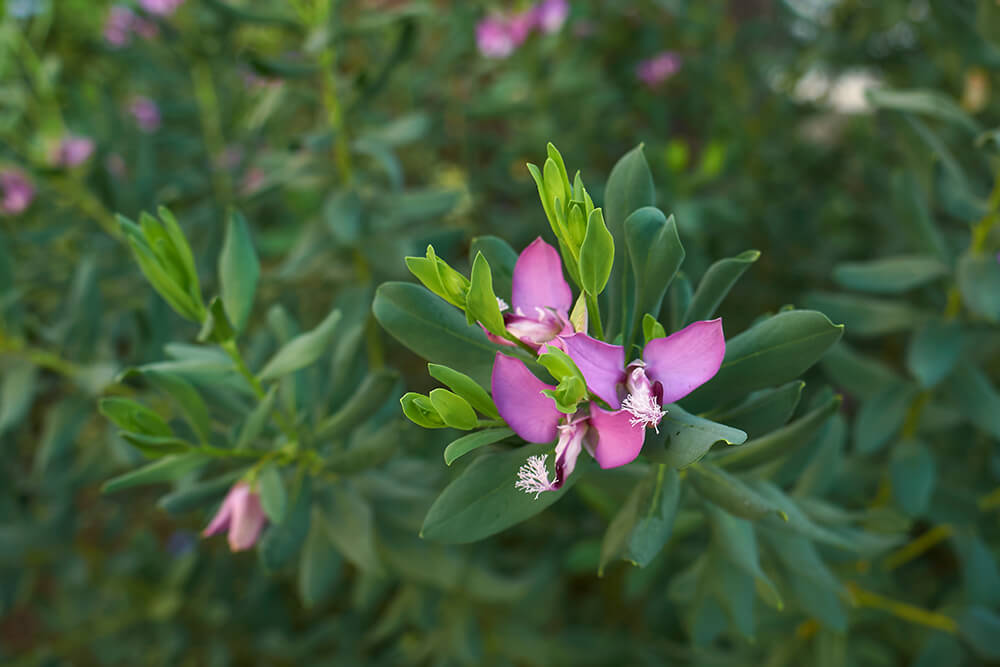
<point>979,282</point>
<point>975,397</point>
<point>283,541</point>
<point>164,470</point>
<point>866,316</point>
<point>728,492</point>
<point>320,566</point>
<point>656,254</point>
<point>716,283</point>
<point>913,473</point>
<point>302,350</point>
<point>933,351</point>
<point>980,627</point>
<point>881,416</point>
<point>353,528</point>
<point>892,275</point>
<point>273,497</point>
<point>239,270</point>
<point>763,411</point>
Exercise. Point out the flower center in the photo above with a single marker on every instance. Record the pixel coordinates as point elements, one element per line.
<point>641,401</point>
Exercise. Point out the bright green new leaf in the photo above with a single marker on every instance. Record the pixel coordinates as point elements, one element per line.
<point>651,328</point>
<point>419,410</point>
<point>466,387</point>
<point>454,410</point>
<point>481,302</point>
<point>596,254</point>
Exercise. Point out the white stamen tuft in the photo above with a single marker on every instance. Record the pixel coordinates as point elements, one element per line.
<point>503,304</point>
<point>644,410</point>
<point>533,477</point>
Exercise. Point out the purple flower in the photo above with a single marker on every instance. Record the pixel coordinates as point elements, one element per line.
<point>550,15</point>
<point>493,37</point>
<point>161,7</point>
<point>671,368</point>
<point>72,150</point>
<point>17,192</point>
<point>241,515</point>
<point>118,26</point>
<point>520,25</point>
<point>659,68</point>
<point>146,114</point>
<point>540,298</point>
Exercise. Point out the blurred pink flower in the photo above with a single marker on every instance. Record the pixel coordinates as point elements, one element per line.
<point>551,14</point>
<point>520,25</point>
<point>493,37</point>
<point>17,192</point>
<point>659,68</point>
<point>161,7</point>
<point>122,23</point>
<point>118,26</point>
<point>72,150</point>
<point>241,515</point>
<point>146,114</point>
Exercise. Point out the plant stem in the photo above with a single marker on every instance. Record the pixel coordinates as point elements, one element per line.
<point>334,113</point>
<point>284,423</point>
<point>907,612</point>
<point>594,316</point>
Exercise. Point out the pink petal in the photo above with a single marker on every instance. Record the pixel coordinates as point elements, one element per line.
<point>248,521</point>
<point>220,521</point>
<point>686,359</point>
<point>517,393</point>
<point>538,280</point>
<point>613,440</point>
<point>602,365</point>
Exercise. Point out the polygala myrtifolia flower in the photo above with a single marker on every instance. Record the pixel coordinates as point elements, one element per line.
<point>540,298</point>
<point>71,151</point>
<point>670,368</point>
<point>16,192</point>
<point>242,515</point>
<point>499,35</point>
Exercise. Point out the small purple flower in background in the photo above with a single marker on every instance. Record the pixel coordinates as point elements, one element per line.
<point>493,37</point>
<point>659,68</point>
<point>17,192</point>
<point>118,26</point>
<point>551,14</point>
<point>161,7</point>
<point>241,515</point>
<point>146,114</point>
<point>72,150</point>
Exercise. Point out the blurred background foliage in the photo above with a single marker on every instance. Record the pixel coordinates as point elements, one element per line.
<point>354,134</point>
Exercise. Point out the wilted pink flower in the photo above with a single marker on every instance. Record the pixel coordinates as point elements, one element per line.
<point>493,37</point>
<point>659,68</point>
<point>161,7</point>
<point>550,15</point>
<point>146,114</point>
<point>72,151</point>
<point>17,192</point>
<point>118,26</point>
<point>241,515</point>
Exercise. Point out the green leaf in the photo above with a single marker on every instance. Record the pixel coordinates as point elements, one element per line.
<point>716,283</point>
<point>775,444</point>
<point>765,410</point>
<point>481,303</point>
<point>640,529</point>
<point>501,258</point>
<point>134,417</point>
<point>473,441</point>
<point>454,410</point>
<point>857,374</point>
<point>975,397</point>
<point>155,446</point>
<point>685,438</point>
<point>466,387</point>
<point>483,501</point>
<point>186,397</point>
<point>182,250</point>
<point>814,586</point>
<point>18,385</point>
<point>369,397</point>
<point>865,316</point>
<point>257,419</point>
<point>651,328</point>
<point>629,188</point>
<point>419,410</point>
<point>913,473</point>
<point>195,496</point>
<point>216,328</point>
<point>735,540</point>
<point>273,498</point>
<point>320,565</point>
<point>772,352</point>
<point>239,271</point>
<point>728,492</point>
<point>881,417</point>
<point>981,628</point>
<point>928,102</point>
<point>302,350</point>
<point>353,531</point>
<point>367,451</point>
<point>979,283</point>
<point>283,541</point>
<point>165,470</point>
<point>933,351</point>
<point>342,215</point>
<point>596,254</point>
<point>433,330</point>
<point>440,278</point>
<point>656,253</point>
<point>891,275</point>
